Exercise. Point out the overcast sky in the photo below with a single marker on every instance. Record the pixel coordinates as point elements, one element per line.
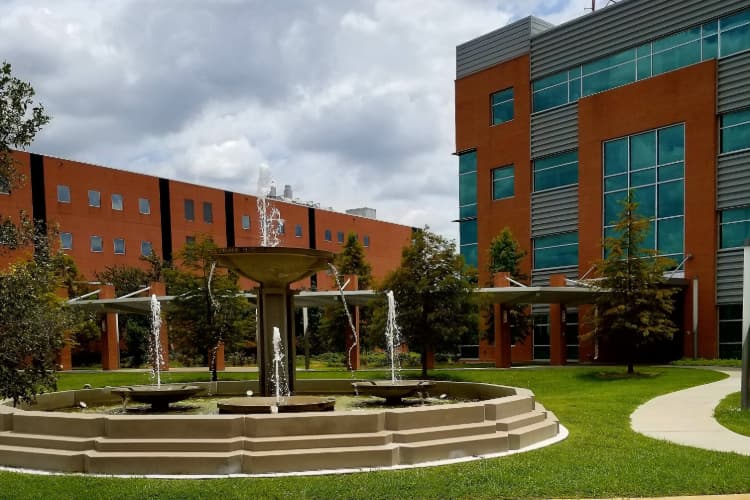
<point>349,101</point>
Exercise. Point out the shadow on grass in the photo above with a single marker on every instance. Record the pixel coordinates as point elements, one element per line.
<point>612,375</point>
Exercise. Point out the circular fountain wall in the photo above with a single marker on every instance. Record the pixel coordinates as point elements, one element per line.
<point>504,419</point>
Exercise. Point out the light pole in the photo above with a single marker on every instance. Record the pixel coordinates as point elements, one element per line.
<point>745,384</point>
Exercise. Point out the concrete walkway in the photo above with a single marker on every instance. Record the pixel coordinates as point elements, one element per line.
<point>686,417</point>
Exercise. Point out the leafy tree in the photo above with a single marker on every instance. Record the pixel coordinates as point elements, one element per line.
<point>207,310</point>
<point>637,307</point>
<point>433,289</point>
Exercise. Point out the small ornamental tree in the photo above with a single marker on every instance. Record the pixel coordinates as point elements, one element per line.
<point>434,292</point>
<point>637,306</point>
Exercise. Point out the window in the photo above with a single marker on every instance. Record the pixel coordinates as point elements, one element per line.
<point>63,193</point>
<point>730,331</point>
<point>556,251</point>
<point>96,244</point>
<point>66,241</point>
<point>119,246</point>
<point>467,185</point>
<point>208,212</point>
<point>298,231</point>
<point>4,185</point>
<point>556,171</point>
<point>468,236</point>
<point>340,236</point>
<point>146,248</point>
<point>327,235</point>
<point>651,164</point>
<point>366,241</point>
<point>144,206</point>
<point>735,227</point>
<point>189,209</point>
<point>502,182</point>
<point>245,222</point>
<point>190,240</point>
<point>117,202</point>
<point>541,336</point>
<point>95,198</point>
<point>501,104</point>
<point>735,131</point>
<point>734,33</point>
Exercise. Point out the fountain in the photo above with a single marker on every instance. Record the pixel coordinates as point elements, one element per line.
<point>158,396</point>
<point>395,389</point>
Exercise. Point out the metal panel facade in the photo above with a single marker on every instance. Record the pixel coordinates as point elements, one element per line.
<point>554,131</point>
<point>733,180</point>
<point>734,73</point>
<point>497,46</point>
<point>620,26</point>
<point>554,211</point>
<point>729,276</point>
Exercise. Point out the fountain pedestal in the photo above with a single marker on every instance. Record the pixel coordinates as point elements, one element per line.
<point>274,269</point>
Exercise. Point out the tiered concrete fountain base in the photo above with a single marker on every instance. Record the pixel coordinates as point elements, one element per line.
<point>503,418</point>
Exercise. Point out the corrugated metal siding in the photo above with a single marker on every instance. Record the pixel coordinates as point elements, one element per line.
<point>540,277</point>
<point>498,46</point>
<point>729,276</point>
<point>734,74</point>
<point>554,131</point>
<point>733,180</point>
<point>554,211</point>
<point>625,24</point>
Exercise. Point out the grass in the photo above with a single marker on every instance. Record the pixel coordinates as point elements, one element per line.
<point>730,414</point>
<point>601,458</point>
<point>735,363</point>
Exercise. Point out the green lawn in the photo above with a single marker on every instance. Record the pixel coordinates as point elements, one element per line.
<point>730,415</point>
<point>601,458</point>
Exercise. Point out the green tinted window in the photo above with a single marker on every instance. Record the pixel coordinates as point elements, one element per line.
<point>671,199</point>
<point>467,162</point>
<point>677,39</point>
<point>502,106</point>
<point>643,150</point>
<point>609,78</point>
<point>502,183</point>
<point>616,156</point>
<point>671,144</point>
<point>608,62</point>
<point>613,206</point>
<point>735,227</point>
<point>642,177</point>
<point>735,40</point>
<point>730,331</point>
<point>677,57</point>
<point>555,251</point>
<point>470,254</point>
<point>735,131</point>
<point>671,235</point>
<point>551,97</point>
<point>710,47</point>
<point>556,171</point>
<point>549,81</point>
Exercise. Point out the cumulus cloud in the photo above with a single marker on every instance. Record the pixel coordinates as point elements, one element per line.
<point>350,101</point>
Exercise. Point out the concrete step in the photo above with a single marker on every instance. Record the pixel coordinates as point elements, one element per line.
<point>42,458</point>
<point>169,445</point>
<point>521,420</point>
<point>321,459</point>
<point>165,463</point>
<point>509,406</point>
<point>379,438</point>
<point>442,449</point>
<point>71,443</point>
<point>531,434</point>
<point>444,432</point>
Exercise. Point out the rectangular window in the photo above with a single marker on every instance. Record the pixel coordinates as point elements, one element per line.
<point>501,105</point>
<point>469,248</point>
<point>189,209</point>
<point>66,241</point>
<point>730,331</point>
<point>144,206</point>
<point>541,337</point>
<point>327,235</point>
<point>652,165</point>
<point>366,241</point>
<point>734,33</point>
<point>208,212</point>
<point>119,246</point>
<point>556,251</point>
<point>298,231</point>
<point>735,227</point>
<point>735,131</point>
<point>96,244</point>
<point>63,193</point>
<point>190,240</point>
<point>556,171</point>
<point>340,236</point>
<point>467,185</point>
<point>502,182</point>
<point>146,248</point>
<point>245,222</point>
<point>117,202</point>
<point>95,198</point>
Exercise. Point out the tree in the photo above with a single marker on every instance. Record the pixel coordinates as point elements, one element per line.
<point>20,119</point>
<point>505,255</point>
<point>637,306</point>
<point>207,310</point>
<point>433,289</point>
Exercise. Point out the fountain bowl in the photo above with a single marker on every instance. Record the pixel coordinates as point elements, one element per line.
<point>392,391</point>
<point>268,404</point>
<point>158,396</point>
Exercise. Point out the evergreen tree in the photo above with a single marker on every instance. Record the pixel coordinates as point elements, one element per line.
<point>637,306</point>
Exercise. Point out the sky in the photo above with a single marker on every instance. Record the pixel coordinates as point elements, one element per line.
<point>348,101</point>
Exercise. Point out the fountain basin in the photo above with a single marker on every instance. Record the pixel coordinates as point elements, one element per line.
<point>158,396</point>
<point>268,404</point>
<point>392,391</point>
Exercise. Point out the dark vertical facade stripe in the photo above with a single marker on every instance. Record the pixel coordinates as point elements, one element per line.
<point>165,208</point>
<point>38,199</point>
<point>229,216</point>
<point>311,228</point>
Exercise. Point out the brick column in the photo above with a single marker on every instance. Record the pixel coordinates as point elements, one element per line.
<point>503,353</point>
<point>557,347</point>
<point>220,361</point>
<point>108,326</point>
<point>159,289</point>
<point>352,353</point>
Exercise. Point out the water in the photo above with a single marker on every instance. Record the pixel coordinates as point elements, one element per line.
<point>281,386</point>
<point>157,356</point>
<point>393,337</point>
<point>348,317</point>
<point>270,222</point>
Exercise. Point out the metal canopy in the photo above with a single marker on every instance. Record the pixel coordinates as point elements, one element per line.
<point>572,295</point>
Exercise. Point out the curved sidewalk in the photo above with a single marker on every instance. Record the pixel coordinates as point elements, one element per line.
<point>686,417</point>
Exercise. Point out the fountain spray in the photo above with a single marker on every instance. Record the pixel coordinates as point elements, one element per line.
<point>348,317</point>
<point>393,337</point>
<point>156,353</point>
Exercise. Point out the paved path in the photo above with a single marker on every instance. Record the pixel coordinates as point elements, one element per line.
<point>686,417</point>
